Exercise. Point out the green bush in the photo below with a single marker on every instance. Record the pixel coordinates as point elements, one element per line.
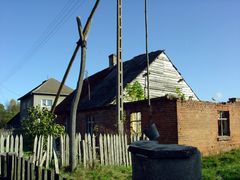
<point>40,121</point>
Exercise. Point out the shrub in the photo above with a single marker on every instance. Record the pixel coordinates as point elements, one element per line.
<point>40,122</point>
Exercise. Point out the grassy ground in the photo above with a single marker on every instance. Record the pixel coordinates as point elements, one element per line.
<point>222,166</point>
<point>225,166</point>
<point>102,172</point>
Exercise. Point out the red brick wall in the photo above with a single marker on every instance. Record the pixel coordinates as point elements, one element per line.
<point>189,122</point>
<point>163,115</point>
<point>198,126</point>
<point>104,119</point>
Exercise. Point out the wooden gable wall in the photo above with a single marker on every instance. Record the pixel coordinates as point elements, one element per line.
<point>164,79</point>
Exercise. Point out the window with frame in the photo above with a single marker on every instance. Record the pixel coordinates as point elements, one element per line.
<point>223,123</point>
<point>90,124</point>
<point>135,123</point>
<point>46,103</point>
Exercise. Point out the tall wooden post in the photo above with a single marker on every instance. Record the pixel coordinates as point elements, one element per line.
<point>119,69</point>
<point>77,93</point>
<point>147,55</point>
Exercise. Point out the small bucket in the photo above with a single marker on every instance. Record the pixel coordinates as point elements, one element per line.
<point>151,132</point>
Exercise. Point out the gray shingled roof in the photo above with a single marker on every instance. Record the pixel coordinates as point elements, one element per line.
<point>103,83</point>
<point>49,87</point>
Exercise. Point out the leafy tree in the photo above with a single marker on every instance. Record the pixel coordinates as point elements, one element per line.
<point>134,92</point>
<point>40,122</point>
<point>12,108</point>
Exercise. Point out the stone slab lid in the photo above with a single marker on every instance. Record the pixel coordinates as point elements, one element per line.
<point>154,150</point>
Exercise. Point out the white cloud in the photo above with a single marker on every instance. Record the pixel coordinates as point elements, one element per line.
<point>218,96</point>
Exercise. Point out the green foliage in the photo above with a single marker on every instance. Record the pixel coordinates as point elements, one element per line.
<point>180,94</point>
<point>12,108</point>
<point>134,92</point>
<point>222,166</point>
<point>40,122</point>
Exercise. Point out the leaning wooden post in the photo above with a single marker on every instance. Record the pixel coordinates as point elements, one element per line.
<point>77,93</point>
<point>65,77</point>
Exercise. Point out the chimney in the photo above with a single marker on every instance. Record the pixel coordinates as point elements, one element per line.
<point>112,60</point>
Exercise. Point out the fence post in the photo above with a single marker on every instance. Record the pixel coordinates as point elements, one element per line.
<point>86,148</point>
<point>109,150</point>
<point>126,150</point>
<point>84,153</point>
<point>16,144</point>
<point>94,148</point>
<point>12,143</point>
<point>55,162</point>
<point>101,149</point>
<point>79,149</point>
<point>2,148</point>
<point>123,149</point>
<point>21,146</point>
<point>48,153</point>
<point>67,150</point>
<point>7,144</point>
<point>90,153</point>
<point>62,150</point>
<point>35,149</point>
<point>18,167</point>
<point>11,166</point>
<point>112,148</point>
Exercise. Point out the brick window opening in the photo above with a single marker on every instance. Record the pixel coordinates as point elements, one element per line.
<point>135,123</point>
<point>223,123</point>
<point>90,124</point>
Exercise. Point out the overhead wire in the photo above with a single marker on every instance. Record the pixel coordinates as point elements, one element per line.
<point>65,13</point>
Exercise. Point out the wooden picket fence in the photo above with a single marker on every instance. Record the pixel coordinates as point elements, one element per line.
<point>14,167</point>
<point>106,149</point>
<point>11,144</point>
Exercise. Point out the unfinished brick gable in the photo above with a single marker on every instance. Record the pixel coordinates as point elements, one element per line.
<point>198,126</point>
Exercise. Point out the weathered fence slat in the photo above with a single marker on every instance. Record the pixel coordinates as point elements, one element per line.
<point>84,153</point>
<point>94,148</point>
<point>101,149</point>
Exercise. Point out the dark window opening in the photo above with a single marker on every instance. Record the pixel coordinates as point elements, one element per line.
<point>223,123</point>
<point>90,124</point>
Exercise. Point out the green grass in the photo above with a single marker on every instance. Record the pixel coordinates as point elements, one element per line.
<point>225,166</point>
<point>101,172</point>
<point>222,166</point>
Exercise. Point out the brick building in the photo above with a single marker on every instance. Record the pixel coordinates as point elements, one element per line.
<point>212,127</point>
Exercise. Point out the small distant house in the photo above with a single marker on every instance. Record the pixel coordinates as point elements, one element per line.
<point>43,95</point>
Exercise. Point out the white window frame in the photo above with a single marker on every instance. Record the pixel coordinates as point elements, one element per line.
<point>46,104</point>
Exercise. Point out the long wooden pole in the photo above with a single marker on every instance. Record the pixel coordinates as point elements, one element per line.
<point>77,94</point>
<point>65,77</point>
<point>147,55</point>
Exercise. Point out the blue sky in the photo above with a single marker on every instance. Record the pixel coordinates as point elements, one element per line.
<point>202,38</point>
